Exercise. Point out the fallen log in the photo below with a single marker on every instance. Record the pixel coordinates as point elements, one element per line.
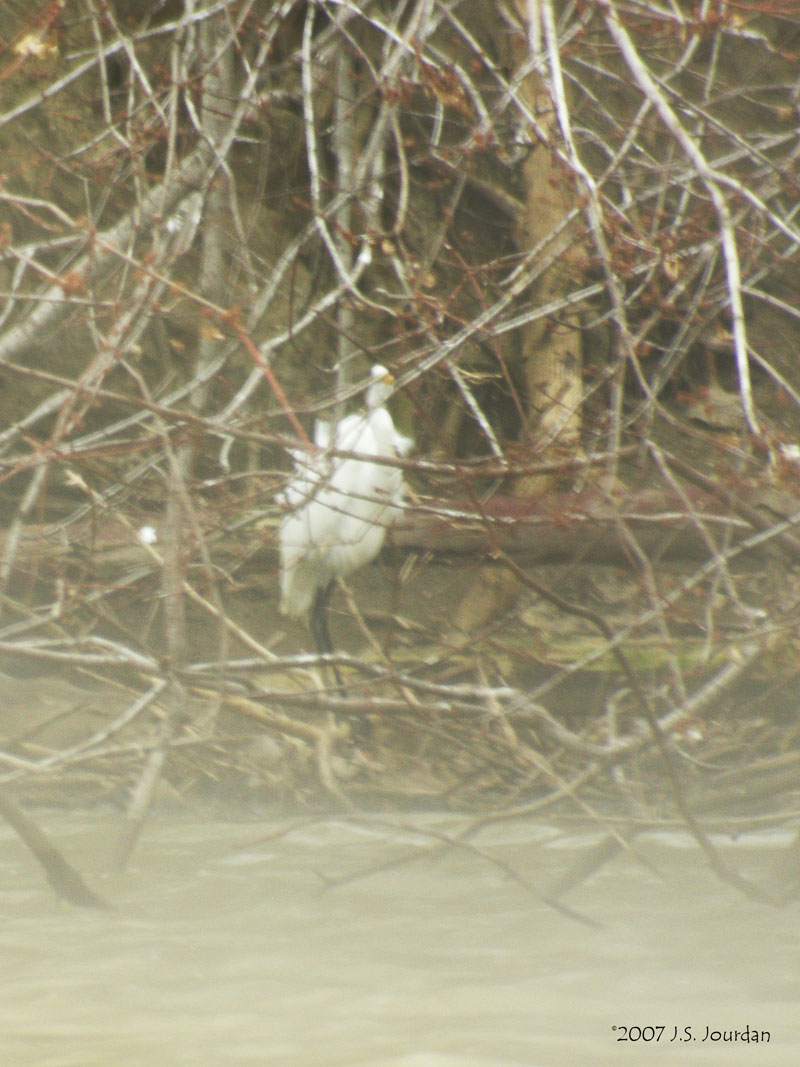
<point>556,527</point>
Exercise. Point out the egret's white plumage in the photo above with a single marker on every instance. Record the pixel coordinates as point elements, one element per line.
<point>340,508</point>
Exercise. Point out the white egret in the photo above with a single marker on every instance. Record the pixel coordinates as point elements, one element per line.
<point>340,508</point>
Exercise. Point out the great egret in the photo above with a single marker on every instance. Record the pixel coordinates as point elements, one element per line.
<point>340,508</point>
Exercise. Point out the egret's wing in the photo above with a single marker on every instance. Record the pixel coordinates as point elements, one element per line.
<point>402,444</point>
<point>322,433</point>
<point>309,471</point>
<point>349,435</point>
<point>300,458</point>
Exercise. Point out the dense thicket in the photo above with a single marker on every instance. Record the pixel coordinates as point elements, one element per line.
<point>570,230</point>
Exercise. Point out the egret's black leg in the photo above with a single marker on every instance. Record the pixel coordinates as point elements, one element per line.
<point>319,625</point>
<point>360,728</point>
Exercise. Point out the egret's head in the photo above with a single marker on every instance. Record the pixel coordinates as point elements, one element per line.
<point>380,387</point>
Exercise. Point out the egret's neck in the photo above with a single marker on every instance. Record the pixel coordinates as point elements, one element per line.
<point>380,422</point>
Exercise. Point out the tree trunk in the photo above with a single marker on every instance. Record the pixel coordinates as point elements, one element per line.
<point>551,349</point>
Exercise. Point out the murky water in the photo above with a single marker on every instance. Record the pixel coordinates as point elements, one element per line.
<point>224,950</point>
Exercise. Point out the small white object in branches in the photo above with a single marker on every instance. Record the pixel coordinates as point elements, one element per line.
<point>340,506</point>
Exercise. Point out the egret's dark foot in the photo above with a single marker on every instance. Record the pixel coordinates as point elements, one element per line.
<point>318,620</point>
<point>360,726</point>
<point>318,623</point>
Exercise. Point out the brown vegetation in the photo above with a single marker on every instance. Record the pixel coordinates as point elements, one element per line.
<point>571,231</point>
